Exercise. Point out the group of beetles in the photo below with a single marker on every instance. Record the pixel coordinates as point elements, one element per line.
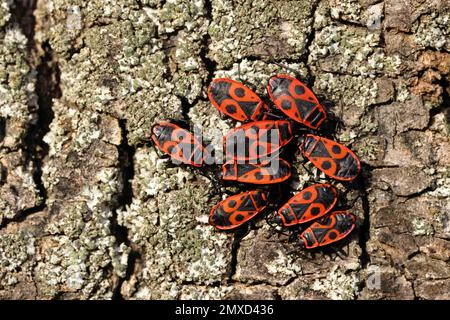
<point>258,149</point>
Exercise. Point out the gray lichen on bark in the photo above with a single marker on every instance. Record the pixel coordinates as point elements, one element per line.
<point>87,210</point>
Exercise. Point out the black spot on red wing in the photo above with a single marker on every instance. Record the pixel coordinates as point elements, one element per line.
<point>232,203</point>
<point>181,135</point>
<point>332,235</point>
<point>286,104</point>
<point>315,211</point>
<point>336,149</point>
<point>307,195</point>
<point>299,89</point>
<point>239,92</point>
<point>311,98</point>
<point>230,108</point>
<point>239,217</point>
<point>326,165</point>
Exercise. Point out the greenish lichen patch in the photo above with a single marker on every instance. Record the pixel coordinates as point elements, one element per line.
<point>114,62</point>
<point>258,28</point>
<point>421,227</point>
<point>256,74</point>
<point>434,30</point>
<point>16,253</point>
<point>347,10</point>
<point>169,222</point>
<point>351,50</point>
<point>337,285</point>
<point>5,13</point>
<point>18,192</point>
<point>352,94</point>
<point>18,111</point>
<point>17,84</point>
<point>81,254</point>
<point>204,293</point>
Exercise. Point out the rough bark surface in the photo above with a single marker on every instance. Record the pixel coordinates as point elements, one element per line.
<point>89,211</point>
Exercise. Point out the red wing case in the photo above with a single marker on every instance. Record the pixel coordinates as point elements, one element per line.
<point>236,100</point>
<point>178,143</point>
<point>275,171</point>
<point>332,158</point>
<point>238,209</point>
<point>334,227</point>
<point>296,100</point>
<point>257,140</point>
<point>309,204</point>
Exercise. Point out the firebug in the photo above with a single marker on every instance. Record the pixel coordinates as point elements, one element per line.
<point>178,143</point>
<point>332,158</point>
<point>296,100</point>
<point>236,100</point>
<point>309,204</point>
<point>329,229</point>
<point>236,210</point>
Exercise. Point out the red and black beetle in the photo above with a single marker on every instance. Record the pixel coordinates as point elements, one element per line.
<point>236,100</point>
<point>332,158</point>
<point>256,140</point>
<point>238,209</point>
<point>296,100</point>
<point>309,204</point>
<point>269,172</point>
<point>331,228</point>
<point>178,143</point>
